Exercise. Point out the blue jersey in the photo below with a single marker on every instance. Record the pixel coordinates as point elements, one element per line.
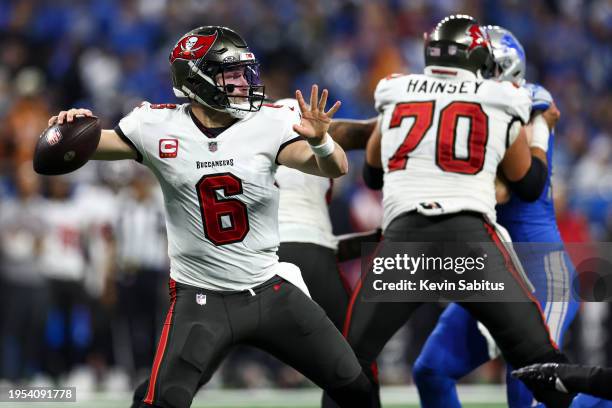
<point>535,221</point>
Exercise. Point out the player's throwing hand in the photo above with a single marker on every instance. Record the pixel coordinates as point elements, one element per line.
<point>69,115</point>
<point>315,121</point>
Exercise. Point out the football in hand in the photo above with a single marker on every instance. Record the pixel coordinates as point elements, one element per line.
<point>64,148</point>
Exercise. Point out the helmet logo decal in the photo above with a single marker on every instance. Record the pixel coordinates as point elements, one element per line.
<point>509,42</point>
<point>478,38</point>
<point>191,42</point>
<point>192,47</point>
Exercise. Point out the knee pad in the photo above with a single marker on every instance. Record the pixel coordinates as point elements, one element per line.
<point>172,394</point>
<point>359,385</point>
<point>344,371</point>
<point>357,393</point>
<point>176,396</point>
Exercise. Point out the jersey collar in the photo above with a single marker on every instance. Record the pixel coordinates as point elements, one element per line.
<point>210,133</point>
<point>450,73</point>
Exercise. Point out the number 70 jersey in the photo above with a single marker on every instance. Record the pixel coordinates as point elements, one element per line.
<point>443,136</point>
<point>221,204</point>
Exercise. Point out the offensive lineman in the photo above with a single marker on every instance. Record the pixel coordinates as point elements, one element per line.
<point>215,159</point>
<point>434,192</point>
<point>443,358</point>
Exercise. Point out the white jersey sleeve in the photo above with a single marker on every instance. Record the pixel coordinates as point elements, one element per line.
<point>520,103</point>
<point>294,117</point>
<point>516,101</point>
<point>384,93</point>
<point>130,129</point>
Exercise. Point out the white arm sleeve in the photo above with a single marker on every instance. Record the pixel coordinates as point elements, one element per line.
<point>541,133</point>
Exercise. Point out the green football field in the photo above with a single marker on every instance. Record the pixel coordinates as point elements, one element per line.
<point>472,396</point>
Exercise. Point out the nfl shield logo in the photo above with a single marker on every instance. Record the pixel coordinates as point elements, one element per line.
<point>200,299</point>
<point>54,136</point>
<point>212,146</point>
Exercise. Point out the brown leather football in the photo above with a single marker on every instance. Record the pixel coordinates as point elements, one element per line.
<point>64,148</point>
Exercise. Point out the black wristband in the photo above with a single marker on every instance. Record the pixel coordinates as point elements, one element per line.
<point>372,176</point>
<point>530,187</point>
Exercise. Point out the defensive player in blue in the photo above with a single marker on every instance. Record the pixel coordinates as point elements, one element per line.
<point>459,343</point>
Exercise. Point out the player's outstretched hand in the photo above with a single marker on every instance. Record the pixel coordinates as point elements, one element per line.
<point>315,121</point>
<point>68,115</point>
<point>542,376</point>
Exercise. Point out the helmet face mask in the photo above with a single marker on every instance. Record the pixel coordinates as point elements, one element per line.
<point>458,41</point>
<point>508,54</point>
<point>213,66</point>
<point>241,84</point>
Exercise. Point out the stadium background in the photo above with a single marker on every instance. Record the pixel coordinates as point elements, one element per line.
<point>104,220</point>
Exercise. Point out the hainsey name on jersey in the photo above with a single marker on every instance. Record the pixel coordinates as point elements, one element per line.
<point>443,136</point>
<point>220,200</point>
<point>431,86</point>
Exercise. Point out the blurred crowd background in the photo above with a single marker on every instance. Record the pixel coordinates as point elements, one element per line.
<point>83,265</point>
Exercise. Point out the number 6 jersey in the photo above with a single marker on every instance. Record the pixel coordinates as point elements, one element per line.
<point>221,204</point>
<point>443,136</point>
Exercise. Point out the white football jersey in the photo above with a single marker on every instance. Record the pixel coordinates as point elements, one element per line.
<point>221,204</point>
<point>443,136</point>
<point>303,215</point>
